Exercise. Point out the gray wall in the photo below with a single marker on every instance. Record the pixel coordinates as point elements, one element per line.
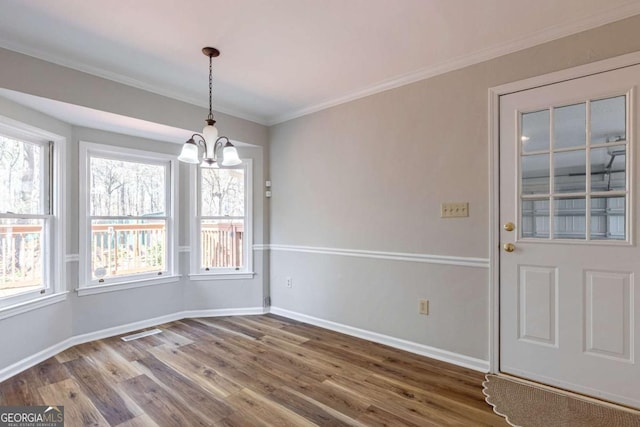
<point>50,325</point>
<point>371,174</point>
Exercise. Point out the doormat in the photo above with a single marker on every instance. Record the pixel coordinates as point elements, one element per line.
<point>524,404</point>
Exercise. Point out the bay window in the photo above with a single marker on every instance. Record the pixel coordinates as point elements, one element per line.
<point>128,225</point>
<point>222,229</point>
<point>26,218</point>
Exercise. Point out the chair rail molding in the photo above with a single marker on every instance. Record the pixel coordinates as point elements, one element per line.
<point>392,256</point>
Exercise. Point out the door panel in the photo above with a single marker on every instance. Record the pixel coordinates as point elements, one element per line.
<point>607,314</point>
<point>538,302</point>
<point>568,181</point>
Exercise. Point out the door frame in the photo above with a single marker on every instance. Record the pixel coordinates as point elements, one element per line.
<point>495,93</point>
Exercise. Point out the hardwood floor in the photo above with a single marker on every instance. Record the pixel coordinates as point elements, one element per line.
<point>250,371</point>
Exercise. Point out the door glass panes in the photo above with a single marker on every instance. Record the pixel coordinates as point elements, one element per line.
<point>569,218</point>
<point>535,174</point>
<point>573,183</point>
<point>569,171</point>
<point>569,126</point>
<point>608,120</point>
<point>535,218</point>
<point>535,131</point>
<point>608,168</point>
<point>608,218</point>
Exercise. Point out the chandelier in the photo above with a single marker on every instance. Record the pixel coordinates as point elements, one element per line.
<point>209,139</point>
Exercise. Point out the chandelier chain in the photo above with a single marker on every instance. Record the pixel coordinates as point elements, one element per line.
<point>210,87</point>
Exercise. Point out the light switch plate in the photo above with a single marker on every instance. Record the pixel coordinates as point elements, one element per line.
<point>454,210</point>
<point>424,307</point>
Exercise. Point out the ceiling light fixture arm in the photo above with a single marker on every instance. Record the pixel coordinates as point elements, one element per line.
<point>210,156</point>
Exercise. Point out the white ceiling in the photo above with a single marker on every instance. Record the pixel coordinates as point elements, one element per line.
<point>285,58</point>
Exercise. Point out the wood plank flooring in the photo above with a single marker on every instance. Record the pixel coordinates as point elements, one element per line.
<point>250,371</point>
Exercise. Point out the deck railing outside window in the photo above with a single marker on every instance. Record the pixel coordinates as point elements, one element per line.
<point>222,244</point>
<point>118,248</point>
<point>20,258</point>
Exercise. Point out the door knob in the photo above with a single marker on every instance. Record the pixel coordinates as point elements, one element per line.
<point>509,226</point>
<point>509,247</point>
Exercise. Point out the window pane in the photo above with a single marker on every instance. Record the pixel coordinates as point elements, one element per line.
<point>221,243</point>
<point>570,171</point>
<point>222,192</point>
<point>569,126</point>
<point>535,131</point>
<point>608,120</point>
<point>120,188</point>
<point>20,255</point>
<point>608,218</point>
<point>569,221</point>
<point>124,247</point>
<point>21,177</point>
<point>535,218</point>
<point>608,168</point>
<point>535,174</point>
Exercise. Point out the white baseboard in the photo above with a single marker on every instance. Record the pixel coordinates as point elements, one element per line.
<point>51,351</point>
<point>421,349</point>
<point>220,312</point>
<point>424,350</point>
<point>34,359</point>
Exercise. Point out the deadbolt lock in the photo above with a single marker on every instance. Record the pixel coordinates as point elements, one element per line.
<point>509,247</point>
<point>509,226</point>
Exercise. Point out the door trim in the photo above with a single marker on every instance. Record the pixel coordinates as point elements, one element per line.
<point>495,93</point>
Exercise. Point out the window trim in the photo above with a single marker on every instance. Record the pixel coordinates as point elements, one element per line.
<point>198,274</point>
<point>87,286</point>
<point>54,238</point>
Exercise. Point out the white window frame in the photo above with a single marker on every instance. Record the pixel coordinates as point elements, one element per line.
<point>198,273</point>
<point>53,242</point>
<point>89,286</point>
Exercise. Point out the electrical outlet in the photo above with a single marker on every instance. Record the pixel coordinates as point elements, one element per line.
<point>454,210</point>
<point>424,307</point>
<point>289,282</point>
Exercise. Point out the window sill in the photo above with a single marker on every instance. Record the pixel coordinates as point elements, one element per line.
<point>23,307</point>
<point>122,286</point>
<point>221,276</point>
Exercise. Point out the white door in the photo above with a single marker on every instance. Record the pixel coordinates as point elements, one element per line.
<point>569,307</point>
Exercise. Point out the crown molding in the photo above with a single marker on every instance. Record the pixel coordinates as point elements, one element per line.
<point>539,37</point>
<point>122,79</point>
